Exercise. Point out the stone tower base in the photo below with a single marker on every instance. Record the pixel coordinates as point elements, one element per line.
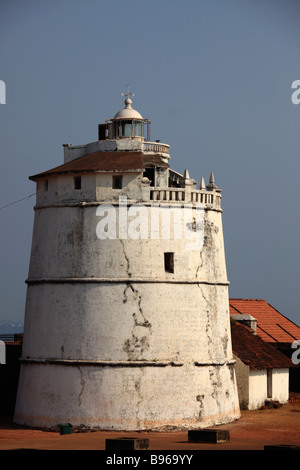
<point>127,396</point>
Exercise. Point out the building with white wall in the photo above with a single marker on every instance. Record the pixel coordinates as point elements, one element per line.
<point>262,371</point>
<point>127,314</point>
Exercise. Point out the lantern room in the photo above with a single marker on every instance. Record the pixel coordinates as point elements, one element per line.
<point>126,124</point>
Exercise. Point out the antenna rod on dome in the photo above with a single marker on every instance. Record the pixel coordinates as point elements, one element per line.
<point>128,92</point>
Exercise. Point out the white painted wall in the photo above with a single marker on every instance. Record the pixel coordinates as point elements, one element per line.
<point>131,398</point>
<point>92,301</point>
<point>280,385</point>
<point>258,390</point>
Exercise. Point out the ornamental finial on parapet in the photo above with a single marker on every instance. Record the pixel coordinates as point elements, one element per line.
<point>211,185</point>
<point>202,183</point>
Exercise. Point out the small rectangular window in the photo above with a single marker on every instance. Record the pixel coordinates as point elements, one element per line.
<point>77,182</point>
<point>117,182</point>
<point>169,262</point>
<point>46,185</point>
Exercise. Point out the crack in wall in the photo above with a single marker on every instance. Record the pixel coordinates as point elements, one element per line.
<point>126,258</point>
<point>200,399</point>
<point>125,298</point>
<point>225,342</point>
<point>212,251</point>
<point>138,343</point>
<point>220,343</point>
<point>201,263</point>
<point>216,383</point>
<point>140,398</point>
<point>208,328</point>
<point>82,382</point>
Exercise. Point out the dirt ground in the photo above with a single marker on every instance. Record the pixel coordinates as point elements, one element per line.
<point>253,431</point>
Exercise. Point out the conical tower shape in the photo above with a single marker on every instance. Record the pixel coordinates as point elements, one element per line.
<point>127,312</point>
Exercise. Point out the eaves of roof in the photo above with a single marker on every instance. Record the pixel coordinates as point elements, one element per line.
<point>98,162</point>
<point>254,351</point>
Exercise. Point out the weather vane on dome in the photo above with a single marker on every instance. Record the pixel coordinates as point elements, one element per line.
<point>128,93</point>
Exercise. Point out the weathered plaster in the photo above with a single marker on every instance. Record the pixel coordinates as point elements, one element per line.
<point>112,340</point>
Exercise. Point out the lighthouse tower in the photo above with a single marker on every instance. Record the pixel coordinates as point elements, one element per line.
<point>127,313</point>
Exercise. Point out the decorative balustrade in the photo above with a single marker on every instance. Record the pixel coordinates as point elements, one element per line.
<point>155,147</point>
<point>167,194</point>
<point>185,195</point>
<point>206,197</point>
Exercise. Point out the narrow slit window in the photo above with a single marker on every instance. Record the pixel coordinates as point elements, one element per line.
<point>77,182</point>
<point>117,182</point>
<point>46,185</point>
<point>169,262</point>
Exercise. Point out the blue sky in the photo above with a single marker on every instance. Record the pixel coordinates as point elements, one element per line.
<point>213,76</point>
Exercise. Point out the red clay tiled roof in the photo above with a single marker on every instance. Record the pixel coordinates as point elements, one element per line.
<point>272,326</point>
<point>254,351</point>
<point>99,161</point>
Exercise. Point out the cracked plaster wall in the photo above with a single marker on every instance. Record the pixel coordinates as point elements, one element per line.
<point>95,398</point>
<point>112,300</point>
<point>65,244</point>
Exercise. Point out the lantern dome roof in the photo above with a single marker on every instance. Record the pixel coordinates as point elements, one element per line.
<point>128,112</point>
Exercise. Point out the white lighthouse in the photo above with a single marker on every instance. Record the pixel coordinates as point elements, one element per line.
<point>127,313</point>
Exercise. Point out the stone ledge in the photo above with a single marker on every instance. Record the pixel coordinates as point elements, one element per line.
<point>215,363</point>
<point>83,362</point>
<point>130,280</point>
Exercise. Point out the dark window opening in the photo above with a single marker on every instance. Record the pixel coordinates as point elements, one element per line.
<point>150,174</point>
<point>102,131</point>
<point>269,383</point>
<point>77,182</point>
<point>46,185</point>
<point>117,182</point>
<point>169,262</point>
